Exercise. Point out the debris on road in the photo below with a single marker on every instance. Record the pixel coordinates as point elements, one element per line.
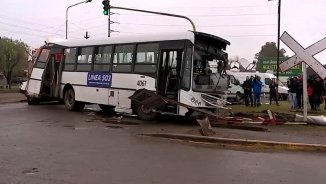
<point>30,171</point>
<point>315,120</point>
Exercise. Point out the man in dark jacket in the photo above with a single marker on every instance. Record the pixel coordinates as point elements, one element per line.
<point>273,92</point>
<point>247,89</point>
<point>292,85</point>
<point>318,88</point>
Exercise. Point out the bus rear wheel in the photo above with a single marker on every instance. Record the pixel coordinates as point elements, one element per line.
<point>70,103</point>
<point>144,114</point>
<point>32,101</point>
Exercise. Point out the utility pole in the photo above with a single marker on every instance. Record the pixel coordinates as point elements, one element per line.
<point>278,39</point>
<point>109,23</point>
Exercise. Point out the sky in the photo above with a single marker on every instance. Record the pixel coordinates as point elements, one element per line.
<point>247,24</point>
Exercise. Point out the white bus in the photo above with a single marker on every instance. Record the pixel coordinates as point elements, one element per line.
<point>107,71</point>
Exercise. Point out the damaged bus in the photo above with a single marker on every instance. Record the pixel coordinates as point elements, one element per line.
<point>107,71</point>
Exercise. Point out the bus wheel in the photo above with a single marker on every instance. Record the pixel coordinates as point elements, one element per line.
<point>144,114</point>
<point>32,101</point>
<point>70,102</point>
<point>107,108</point>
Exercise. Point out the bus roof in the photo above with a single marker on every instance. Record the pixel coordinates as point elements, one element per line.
<point>184,35</point>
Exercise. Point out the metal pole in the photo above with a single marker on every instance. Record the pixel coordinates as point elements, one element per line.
<point>109,25</point>
<point>158,13</point>
<point>278,40</point>
<point>67,15</point>
<point>305,95</point>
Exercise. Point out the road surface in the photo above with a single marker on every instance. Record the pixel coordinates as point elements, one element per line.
<point>46,144</point>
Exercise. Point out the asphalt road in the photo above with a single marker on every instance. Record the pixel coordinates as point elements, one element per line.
<point>46,144</point>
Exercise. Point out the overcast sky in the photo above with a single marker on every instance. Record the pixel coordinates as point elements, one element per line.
<point>247,24</point>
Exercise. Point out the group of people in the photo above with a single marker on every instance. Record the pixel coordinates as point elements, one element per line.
<point>315,92</point>
<point>252,88</point>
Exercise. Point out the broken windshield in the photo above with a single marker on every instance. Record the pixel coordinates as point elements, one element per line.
<point>207,78</point>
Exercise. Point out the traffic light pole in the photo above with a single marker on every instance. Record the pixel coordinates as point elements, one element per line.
<point>157,13</point>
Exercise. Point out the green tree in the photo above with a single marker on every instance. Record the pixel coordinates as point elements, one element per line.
<point>13,58</point>
<point>268,50</point>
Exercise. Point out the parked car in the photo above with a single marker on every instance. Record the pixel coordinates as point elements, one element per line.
<point>22,87</point>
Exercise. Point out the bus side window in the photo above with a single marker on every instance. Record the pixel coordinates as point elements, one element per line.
<point>146,58</point>
<point>102,58</point>
<point>122,60</point>
<point>84,59</point>
<point>70,59</point>
<point>42,58</point>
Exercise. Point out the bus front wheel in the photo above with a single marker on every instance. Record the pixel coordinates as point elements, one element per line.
<point>144,114</point>
<point>70,102</point>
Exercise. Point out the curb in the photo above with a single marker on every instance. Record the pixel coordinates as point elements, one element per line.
<point>245,143</point>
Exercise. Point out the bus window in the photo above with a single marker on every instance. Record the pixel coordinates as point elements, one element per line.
<point>84,59</point>
<point>146,58</point>
<point>70,59</point>
<point>43,58</point>
<point>122,59</point>
<point>186,69</point>
<point>102,58</point>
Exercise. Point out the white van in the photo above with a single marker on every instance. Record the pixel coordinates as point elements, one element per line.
<point>235,92</point>
<point>266,79</point>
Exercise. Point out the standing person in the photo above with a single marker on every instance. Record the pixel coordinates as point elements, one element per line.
<point>310,92</point>
<point>273,92</point>
<point>257,85</point>
<point>292,92</point>
<point>299,92</point>
<point>318,89</point>
<point>247,89</point>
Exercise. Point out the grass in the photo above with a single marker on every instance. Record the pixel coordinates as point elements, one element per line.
<point>284,107</point>
<point>14,89</point>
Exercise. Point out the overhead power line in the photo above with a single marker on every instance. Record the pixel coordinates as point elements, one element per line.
<point>208,15</point>
<point>24,27</point>
<point>178,25</point>
<point>54,27</point>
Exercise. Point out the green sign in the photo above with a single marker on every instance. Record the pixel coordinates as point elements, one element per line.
<point>271,64</point>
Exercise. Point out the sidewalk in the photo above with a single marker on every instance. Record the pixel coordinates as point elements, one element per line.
<point>11,97</point>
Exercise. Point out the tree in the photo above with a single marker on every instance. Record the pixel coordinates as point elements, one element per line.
<point>13,57</point>
<point>268,50</point>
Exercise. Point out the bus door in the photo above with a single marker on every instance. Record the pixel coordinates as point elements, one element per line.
<point>49,86</point>
<point>169,73</point>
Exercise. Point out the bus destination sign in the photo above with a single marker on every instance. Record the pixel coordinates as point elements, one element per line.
<point>99,79</point>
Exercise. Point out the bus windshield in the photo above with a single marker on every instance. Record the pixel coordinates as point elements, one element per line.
<point>207,71</point>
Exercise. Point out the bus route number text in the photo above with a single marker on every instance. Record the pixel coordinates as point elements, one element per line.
<point>99,79</point>
<point>141,83</point>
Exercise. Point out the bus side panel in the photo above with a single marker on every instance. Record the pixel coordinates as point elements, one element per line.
<point>92,94</point>
<point>77,78</point>
<point>132,81</point>
<point>34,83</point>
<point>37,73</point>
<point>34,87</point>
<point>124,101</point>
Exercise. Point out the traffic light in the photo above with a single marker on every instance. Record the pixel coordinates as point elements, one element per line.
<point>106,7</point>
